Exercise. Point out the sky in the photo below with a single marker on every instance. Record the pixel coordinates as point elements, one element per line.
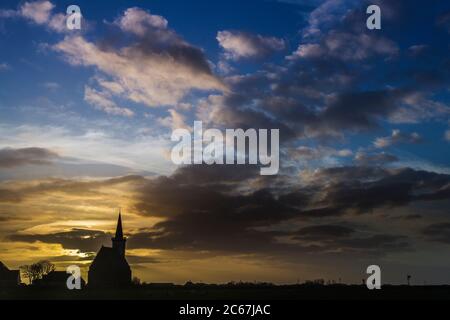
<point>86,118</point>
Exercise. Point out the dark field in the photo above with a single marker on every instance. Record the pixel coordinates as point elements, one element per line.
<point>207,292</point>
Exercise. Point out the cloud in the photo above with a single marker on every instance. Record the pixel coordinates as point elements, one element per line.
<point>359,110</point>
<point>303,100</point>
<point>443,20</point>
<point>363,189</point>
<point>69,187</point>
<point>308,153</point>
<point>231,111</point>
<point>10,158</point>
<point>409,217</point>
<point>397,137</point>
<point>326,15</point>
<point>342,238</point>
<point>138,21</point>
<point>317,93</point>
<point>365,159</point>
<point>93,142</point>
<point>310,50</point>
<point>415,106</point>
<point>8,13</point>
<point>418,49</point>
<point>447,135</point>
<point>40,13</point>
<point>202,211</point>
<point>438,232</point>
<point>347,47</point>
<point>158,68</point>
<point>102,101</point>
<point>75,239</point>
<point>227,211</point>
<point>240,45</point>
<point>379,243</point>
<point>174,121</point>
<point>4,67</point>
<point>320,232</point>
<point>52,86</point>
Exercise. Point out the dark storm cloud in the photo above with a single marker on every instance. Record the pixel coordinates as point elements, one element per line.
<point>344,238</point>
<point>207,208</point>
<point>356,111</point>
<point>413,217</point>
<point>349,173</point>
<point>391,189</point>
<point>439,232</point>
<point>320,232</point>
<point>212,216</point>
<point>76,239</point>
<point>233,111</point>
<point>360,110</point>
<point>379,242</point>
<point>211,174</point>
<point>10,158</point>
<point>134,260</point>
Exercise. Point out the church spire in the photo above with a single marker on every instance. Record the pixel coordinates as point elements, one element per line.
<point>119,242</point>
<point>119,232</point>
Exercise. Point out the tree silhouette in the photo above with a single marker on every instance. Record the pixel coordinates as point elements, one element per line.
<point>136,281</point>
<point>36,270</point>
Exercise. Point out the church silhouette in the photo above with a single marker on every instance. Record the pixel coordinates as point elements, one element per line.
<point>110,268</point>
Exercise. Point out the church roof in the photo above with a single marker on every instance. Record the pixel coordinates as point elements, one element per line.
<point>108,257</point>
<point>3,267</point>
<point>8,276</point>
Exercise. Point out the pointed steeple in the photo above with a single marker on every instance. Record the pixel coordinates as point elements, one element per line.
<point>119,241</point>
<point>119,232</point>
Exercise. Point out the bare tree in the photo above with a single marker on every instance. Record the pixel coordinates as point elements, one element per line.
<point>31,272</point>
<point>46,267</point>
<point>36,270</point>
